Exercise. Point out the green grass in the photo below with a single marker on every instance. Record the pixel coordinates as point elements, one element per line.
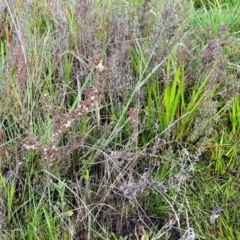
<point>119,120</point>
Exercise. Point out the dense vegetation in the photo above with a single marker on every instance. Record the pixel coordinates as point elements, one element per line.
<point>119,119</point>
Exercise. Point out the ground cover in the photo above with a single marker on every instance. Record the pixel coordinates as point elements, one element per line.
<point>119,119</point>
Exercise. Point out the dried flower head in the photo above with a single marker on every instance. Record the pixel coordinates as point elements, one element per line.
<point>100,66</point>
